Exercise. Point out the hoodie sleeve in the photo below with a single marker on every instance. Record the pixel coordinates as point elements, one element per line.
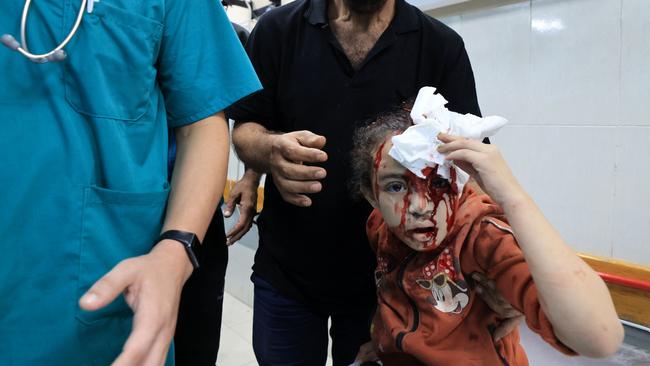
<point>495,253</point>
<point>372,228</point>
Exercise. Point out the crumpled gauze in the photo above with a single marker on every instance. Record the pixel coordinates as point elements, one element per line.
<point>417,147</point>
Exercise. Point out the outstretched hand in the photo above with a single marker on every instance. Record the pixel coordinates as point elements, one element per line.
<point>485,164</point>
<point>152,286</point>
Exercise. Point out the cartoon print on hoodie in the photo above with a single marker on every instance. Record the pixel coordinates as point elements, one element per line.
<point>449,293</point>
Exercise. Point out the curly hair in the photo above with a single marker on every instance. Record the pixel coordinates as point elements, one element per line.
<point>367,139</point>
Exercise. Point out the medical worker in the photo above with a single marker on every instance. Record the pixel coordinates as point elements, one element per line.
<point>95,242</point>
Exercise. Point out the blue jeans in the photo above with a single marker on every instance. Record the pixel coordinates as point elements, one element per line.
<point>287,333</point>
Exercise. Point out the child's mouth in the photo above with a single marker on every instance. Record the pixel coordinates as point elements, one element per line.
<point>422,234</point>
<point>423,230</point>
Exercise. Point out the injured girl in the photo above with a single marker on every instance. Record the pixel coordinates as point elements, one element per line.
<point>430,230</point>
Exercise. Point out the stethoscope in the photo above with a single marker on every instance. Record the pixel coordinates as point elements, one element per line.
<point>57,54</point>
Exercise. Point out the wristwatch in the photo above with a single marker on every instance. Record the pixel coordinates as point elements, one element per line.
<point>189,240</point>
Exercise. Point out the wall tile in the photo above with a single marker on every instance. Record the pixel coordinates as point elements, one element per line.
<point>635,56</point>
<point>453,21</point>
<point>569,172</point>
<point>575,61</point>
<point>632,200</point>
<point>498,44</point>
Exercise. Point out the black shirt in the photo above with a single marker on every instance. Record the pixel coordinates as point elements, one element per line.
<point>320,255</point>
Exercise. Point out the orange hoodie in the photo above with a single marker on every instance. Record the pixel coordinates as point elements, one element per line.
<point>429,314</point>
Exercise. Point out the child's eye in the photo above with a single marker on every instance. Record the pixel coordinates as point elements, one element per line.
<point>440,183</point>
<point>395,187</point>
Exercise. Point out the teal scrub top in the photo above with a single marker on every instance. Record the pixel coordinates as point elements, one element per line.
<point>83,157</point>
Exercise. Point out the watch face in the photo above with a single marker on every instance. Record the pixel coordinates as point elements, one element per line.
<point>189,240</point>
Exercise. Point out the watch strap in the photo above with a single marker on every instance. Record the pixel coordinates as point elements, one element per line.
<point>189,241</point>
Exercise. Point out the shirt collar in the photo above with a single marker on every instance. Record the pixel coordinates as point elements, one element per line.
<point>406,18</point>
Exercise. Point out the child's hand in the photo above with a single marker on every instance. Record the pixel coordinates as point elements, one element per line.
<point>367,354</point>
<point>485,163</point>
<point>511,318</point>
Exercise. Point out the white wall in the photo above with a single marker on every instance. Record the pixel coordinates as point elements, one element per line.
<point>573,77</point>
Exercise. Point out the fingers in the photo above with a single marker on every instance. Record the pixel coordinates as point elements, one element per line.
<point>366,353</point>
<point>241,227</point>
<point>291,148</point>
<point>506,327</point>
<point>454,143</point>
<point>310,139</point>
<point>467,156</point>
<point>294,171</point>
<point>486,288</point>
<point>446,138</point>
<point>107,288</point>
<point>292,178</point>
<point>293,191</point>
<point>296,199</point>
<point>147,327</point>
<point>230,204</point>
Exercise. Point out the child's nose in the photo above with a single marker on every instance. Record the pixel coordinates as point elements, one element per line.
<point>420,205</point>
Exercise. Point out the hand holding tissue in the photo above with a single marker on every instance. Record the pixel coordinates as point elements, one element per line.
<point>416,148</point>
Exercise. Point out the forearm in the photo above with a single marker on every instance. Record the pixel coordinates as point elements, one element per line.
<point>573,297</point>
<point>253,144</point>
<point>199,177</point>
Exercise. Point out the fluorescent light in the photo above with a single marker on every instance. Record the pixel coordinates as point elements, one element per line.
<point>547,25</point>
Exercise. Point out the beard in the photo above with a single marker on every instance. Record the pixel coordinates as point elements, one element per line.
<point>364,7</point>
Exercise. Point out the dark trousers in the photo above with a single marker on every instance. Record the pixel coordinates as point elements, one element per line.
<point>198,328</point>
<point>287,333</point>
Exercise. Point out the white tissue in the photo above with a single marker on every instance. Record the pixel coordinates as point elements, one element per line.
<point>416,148</point>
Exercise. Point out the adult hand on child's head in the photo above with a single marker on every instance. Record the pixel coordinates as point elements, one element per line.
<point>489,294</point>
<point>243,195</point>
<point>292,178</point>
<point>483,162</point>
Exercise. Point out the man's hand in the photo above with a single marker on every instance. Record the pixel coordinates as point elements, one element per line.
<point>244,195</point>
<point>293,179</point>
<point>488,292</point>
<point>151,285</point>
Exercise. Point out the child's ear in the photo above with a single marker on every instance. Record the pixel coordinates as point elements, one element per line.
<point>369,197</point>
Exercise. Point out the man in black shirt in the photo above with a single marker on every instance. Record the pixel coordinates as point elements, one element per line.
<point>326,65</point>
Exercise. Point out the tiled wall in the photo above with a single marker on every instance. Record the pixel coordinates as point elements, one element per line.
<point>573,77</point>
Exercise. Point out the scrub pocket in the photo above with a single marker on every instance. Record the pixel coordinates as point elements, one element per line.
<point>110,69</point>
<point>116,225</point>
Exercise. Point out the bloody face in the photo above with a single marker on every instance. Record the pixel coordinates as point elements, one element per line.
<point>420,212</point>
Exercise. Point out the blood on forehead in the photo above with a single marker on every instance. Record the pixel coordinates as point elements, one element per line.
<point>377,163</point>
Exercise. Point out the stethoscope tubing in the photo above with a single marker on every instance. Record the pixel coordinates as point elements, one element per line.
<point>57,54</point>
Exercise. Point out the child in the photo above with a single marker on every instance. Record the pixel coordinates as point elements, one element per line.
<point>430,231</point>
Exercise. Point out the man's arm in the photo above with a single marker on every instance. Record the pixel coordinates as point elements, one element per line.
<point>253,145</point>
<point>282,155</point>
<point>152,283</point>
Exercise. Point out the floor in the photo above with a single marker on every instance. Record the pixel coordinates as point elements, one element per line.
<point>236,334</point>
